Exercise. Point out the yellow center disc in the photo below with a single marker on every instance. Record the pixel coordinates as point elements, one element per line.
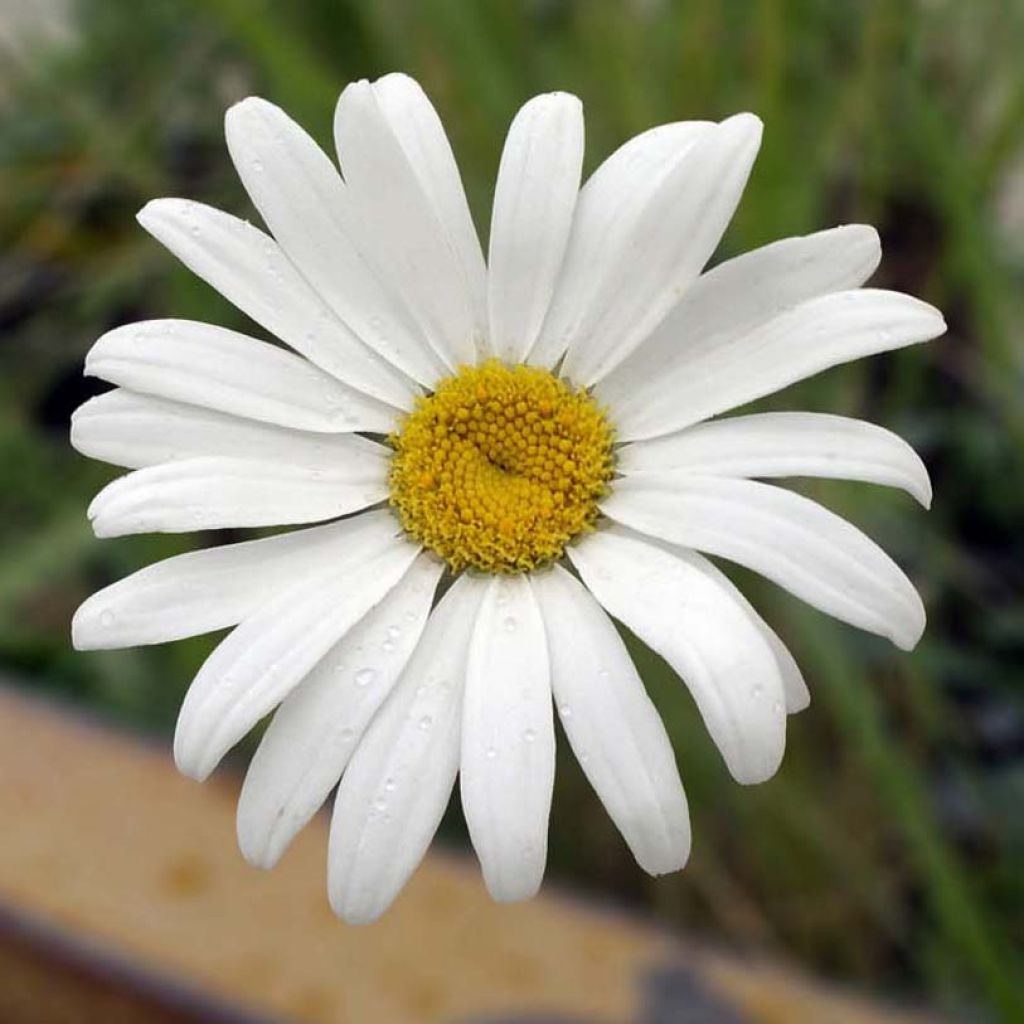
<point>500,467</point>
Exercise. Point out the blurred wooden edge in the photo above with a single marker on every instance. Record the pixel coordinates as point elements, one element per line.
<point>123,899</point>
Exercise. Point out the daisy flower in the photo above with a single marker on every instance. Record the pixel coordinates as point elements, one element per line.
<point>503,457</point>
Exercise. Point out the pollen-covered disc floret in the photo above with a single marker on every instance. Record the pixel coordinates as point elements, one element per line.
<point>500,467</point>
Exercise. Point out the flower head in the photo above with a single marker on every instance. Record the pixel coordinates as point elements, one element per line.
<point>530,436</point>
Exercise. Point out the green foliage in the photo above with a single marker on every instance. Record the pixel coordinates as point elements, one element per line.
<point>887,850</point>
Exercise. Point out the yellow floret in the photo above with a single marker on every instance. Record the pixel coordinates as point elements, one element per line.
<point>500,467</point>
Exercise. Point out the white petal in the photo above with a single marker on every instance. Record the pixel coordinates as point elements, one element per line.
<point>133,430</point>
<point>792,540</point>
<point>421,135</point>
<point>394,792</point>
<point>711,374</point>
<point>785,444</point>
<point>534,200</point>
<point>607,207</point>
<point>230,372</point>
<point>301,197</point>
<point>663,246</point>
<point>399,226</point>
<point>747,291</point>
<point>614,729</point>
<point>508,740</point>
<point>797,695</point>
<point>215,492</point>
<point>255,667</point>
<point>318,725</point>
<point>697,626</point>
<point>249,269</point>
<point>206,590</point>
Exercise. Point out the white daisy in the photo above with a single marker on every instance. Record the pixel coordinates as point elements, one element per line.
<point>534,430</point>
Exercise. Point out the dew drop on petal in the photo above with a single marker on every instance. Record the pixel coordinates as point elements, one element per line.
<point>529,735</point>
<point>426,722</point>
<point>490,753</point>
<point>756,690</point>
<point>565,710</point>
<point>510,624</point>
<point>106,618</point>
<point>365,676</point>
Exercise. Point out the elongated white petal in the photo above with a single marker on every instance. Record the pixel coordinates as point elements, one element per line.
<point>614,729</point>
<point>534,200</point>
<point>229,372</point>
<point>206,590</point>
<point>133,430</point>
<point>790,539</point>
<point>608,206</point>
<point>249,269</point>
<point>714,373</point>
<point>419,131</point>
<point>743,293</point>
<point>399,227</point>
<point>663,246</point>
<point>255,667</point>
<point>301,197</point>
<point>797,695</point>
<point>785,444</point>
<point>697,626</point>
<point>318,725</point>
<point>394,792</point>
<point>508,740</point>
<point>215,492</point>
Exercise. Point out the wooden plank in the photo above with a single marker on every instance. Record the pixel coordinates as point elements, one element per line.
<point>120,883</point>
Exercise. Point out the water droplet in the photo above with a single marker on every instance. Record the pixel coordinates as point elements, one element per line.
<point>565,710</point>
<point>756,690</point>
<point>347,734</point>
<point>426,722</point>
<point>510,624</point>
<point>394,631</point>
<point>603,675</point>
<point>365,676</point>
<point>388,645</point>
<point>777,707</point>
<point>421,690</point>
<point>380,803</point>
<point>195,229</point>
<point>584,757</point>
<point>410,616</point>
<point>490,753</point>
<point>389,785</point>
<point>257,165</point>
<point>107,618</point>
<point>529,735</point>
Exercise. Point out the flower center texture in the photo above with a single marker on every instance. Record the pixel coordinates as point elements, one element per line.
<point>500,467</point>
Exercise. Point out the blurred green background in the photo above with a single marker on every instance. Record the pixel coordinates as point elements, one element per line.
<point>888,851</point>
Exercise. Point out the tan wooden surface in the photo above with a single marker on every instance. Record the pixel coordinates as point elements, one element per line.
<point>123,898</point>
